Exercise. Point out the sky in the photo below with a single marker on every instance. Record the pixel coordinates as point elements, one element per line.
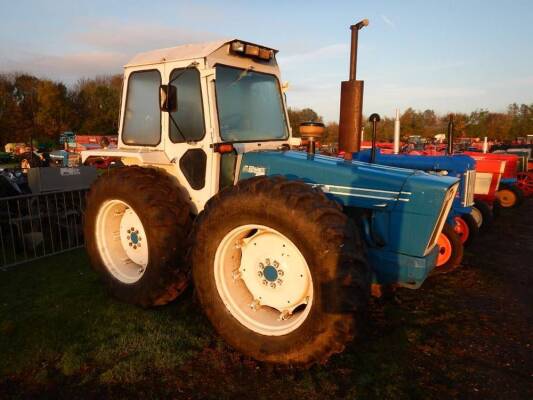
<point>445,55</point>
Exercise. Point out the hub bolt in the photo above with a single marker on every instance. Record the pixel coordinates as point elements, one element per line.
<point>255,305</point>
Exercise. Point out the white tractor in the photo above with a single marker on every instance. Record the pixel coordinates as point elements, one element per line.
<point>274,237</point>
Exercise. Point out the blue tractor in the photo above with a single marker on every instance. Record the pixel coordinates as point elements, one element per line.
<point>283,246</point>
<point>461,226</point>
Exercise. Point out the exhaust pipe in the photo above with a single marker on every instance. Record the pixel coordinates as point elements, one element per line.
<point>351,107</point>
<point>450,136</point>
<point>397,132</point>
<point>374,118</point>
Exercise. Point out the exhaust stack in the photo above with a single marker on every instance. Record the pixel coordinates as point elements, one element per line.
<point>450,136</point>
<point>397,132</point>
<point>351,107</point>
<point>374,119</point>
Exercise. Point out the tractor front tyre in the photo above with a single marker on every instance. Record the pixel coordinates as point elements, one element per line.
<point>136,228</point>
<point>467,229</point>
<point>510,196</point>
<point>482,214</point>
<point>450,251</point>
<point>280,271</point>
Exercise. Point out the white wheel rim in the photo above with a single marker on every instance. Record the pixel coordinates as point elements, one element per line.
<point>263,280</point>
<point>478,217</point>
<point>121,241</point>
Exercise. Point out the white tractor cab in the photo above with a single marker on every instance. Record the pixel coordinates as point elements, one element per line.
<point>221,92</point>
<point>283,245</point>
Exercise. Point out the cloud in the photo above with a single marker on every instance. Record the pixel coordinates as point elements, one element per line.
<point>327,53</point>
<point>136,36</point>
<point>388,21</point>
<point>68,67</point>
<point>513,82</point>
<point>103,47</point>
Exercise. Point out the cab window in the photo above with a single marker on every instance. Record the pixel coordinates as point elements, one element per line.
<point>142,117</point>
<point>186,123</point>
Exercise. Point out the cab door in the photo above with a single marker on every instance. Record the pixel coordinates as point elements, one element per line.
<point>187,131</point>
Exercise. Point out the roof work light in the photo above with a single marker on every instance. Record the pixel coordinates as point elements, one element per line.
<point>251,50</point>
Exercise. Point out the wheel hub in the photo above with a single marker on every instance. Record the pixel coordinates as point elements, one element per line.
<point>270,273</point>
<point>134,236</point>
<point>445,250</point>
<point>122,241</point>
<point>275,258</point>
<point>263,279</point>
<point>462,229</point>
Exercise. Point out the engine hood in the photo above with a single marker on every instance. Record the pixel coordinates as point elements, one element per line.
<point>352,183</point>
<point>456,164</point>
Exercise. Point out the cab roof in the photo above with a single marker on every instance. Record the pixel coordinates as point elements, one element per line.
<point>179,53</point>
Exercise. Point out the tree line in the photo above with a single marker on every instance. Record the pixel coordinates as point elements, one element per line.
<point>43,109</point>
<point>517,121</point>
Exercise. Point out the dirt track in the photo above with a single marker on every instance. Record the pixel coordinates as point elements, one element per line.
<point>480,344</point>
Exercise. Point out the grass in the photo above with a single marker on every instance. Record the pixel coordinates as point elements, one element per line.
<point>58,327</point>
<point>462,335</point>
<point>56,322</point>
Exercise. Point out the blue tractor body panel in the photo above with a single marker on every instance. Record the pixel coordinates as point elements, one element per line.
<point>403,205</point>
<point>508,181</point>
<point>455,165</point>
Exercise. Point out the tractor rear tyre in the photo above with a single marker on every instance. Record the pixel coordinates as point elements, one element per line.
<point>450,251</point>
<point>483,212</point>
<point>510,196</point>
<point>136,228</point>
<point>280,271</point>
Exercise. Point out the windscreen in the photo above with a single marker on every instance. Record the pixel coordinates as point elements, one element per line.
<point>250,106</point>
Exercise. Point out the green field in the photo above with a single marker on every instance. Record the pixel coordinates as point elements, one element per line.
<point>461,335</point>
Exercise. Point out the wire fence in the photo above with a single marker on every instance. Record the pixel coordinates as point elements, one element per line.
<point>34,226</point>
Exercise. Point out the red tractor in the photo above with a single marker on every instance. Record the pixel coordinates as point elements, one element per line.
<point>508,192</point>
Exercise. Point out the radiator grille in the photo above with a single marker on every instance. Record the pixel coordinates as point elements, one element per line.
<point>446,206</point>
<point>469,188</point>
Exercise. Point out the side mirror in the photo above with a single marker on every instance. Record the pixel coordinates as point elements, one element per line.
<point>168,98</point>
